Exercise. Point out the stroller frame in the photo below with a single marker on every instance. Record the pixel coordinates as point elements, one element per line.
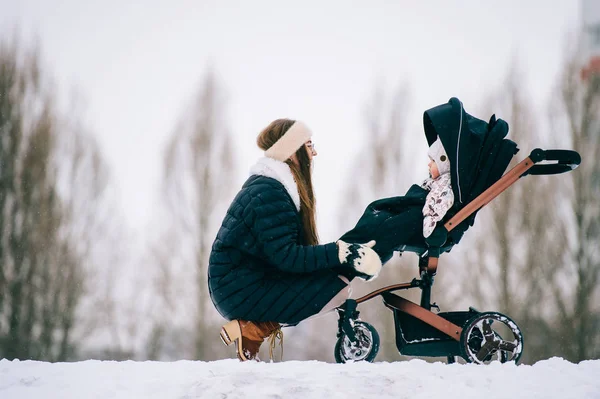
<point>420,331</point>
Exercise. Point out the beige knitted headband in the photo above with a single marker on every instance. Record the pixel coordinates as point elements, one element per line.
<point>288,144</point>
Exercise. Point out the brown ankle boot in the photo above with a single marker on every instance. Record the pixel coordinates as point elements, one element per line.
<point>248,335</point>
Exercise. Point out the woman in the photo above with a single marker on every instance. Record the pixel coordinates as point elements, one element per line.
<point>266,267</point>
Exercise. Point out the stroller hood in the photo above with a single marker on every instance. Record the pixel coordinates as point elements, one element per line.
<point>477,150</point>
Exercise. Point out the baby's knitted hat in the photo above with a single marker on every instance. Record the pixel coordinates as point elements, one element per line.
<point>438,154</point>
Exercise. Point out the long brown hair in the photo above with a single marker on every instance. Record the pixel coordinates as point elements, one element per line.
<point>302,175</point>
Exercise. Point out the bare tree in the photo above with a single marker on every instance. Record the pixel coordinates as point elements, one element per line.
<point>93,228</point>
<point>575,286</point>
<point>40,275</point>
<point>198,171</point>
<point>43,237</point>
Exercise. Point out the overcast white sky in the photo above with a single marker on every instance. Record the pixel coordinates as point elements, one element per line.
<point>136,65</point>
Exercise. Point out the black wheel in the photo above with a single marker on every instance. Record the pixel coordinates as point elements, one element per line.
<point>491,336</point>
<point>364,348</point>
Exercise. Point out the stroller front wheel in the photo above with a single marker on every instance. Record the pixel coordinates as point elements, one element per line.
<point>363,348</point>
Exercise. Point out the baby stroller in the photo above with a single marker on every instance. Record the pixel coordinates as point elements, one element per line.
<point>479,154</point>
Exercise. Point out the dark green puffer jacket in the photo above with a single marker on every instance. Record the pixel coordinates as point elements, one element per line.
<point>259,269</point>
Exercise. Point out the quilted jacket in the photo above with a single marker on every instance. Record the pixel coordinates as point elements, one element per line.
<point>259,269</point>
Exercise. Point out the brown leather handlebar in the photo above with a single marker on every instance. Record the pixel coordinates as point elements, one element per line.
<point>492,192</point>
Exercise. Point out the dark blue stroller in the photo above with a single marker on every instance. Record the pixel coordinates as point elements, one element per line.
<point>479,154</point>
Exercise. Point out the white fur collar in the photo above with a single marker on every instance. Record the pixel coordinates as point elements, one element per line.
<point>279,171</point>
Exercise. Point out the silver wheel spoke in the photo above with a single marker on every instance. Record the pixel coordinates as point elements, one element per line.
<point>507,346</point>
<point>484,351</point>
<point>488,333</point>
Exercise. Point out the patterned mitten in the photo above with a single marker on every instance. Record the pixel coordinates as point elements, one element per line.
<point>361,257</point>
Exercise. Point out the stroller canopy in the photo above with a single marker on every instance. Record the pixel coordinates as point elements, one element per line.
<point>477,150</point>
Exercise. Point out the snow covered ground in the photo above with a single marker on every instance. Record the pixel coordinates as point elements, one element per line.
<point>553,378</point>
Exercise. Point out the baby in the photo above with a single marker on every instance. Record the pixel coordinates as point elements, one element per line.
<point>440,197</point>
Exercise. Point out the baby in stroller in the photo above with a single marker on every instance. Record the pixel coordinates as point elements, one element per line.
<point>439,185</point>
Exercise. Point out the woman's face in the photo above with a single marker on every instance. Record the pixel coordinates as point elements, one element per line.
<point>310,149</point>
<point>433,169</point>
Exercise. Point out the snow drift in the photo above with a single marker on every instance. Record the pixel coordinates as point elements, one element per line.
<point>553,378</point>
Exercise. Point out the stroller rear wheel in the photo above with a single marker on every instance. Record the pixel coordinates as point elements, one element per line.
<point>491,336</point>
<point>363,348</point>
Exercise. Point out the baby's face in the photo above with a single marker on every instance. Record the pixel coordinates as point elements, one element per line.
<point>433,169</point>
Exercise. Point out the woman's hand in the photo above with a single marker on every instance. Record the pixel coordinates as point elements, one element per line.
<point>361,257</point>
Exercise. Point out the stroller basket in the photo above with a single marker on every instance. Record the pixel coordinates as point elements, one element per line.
<point>414,337</point>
